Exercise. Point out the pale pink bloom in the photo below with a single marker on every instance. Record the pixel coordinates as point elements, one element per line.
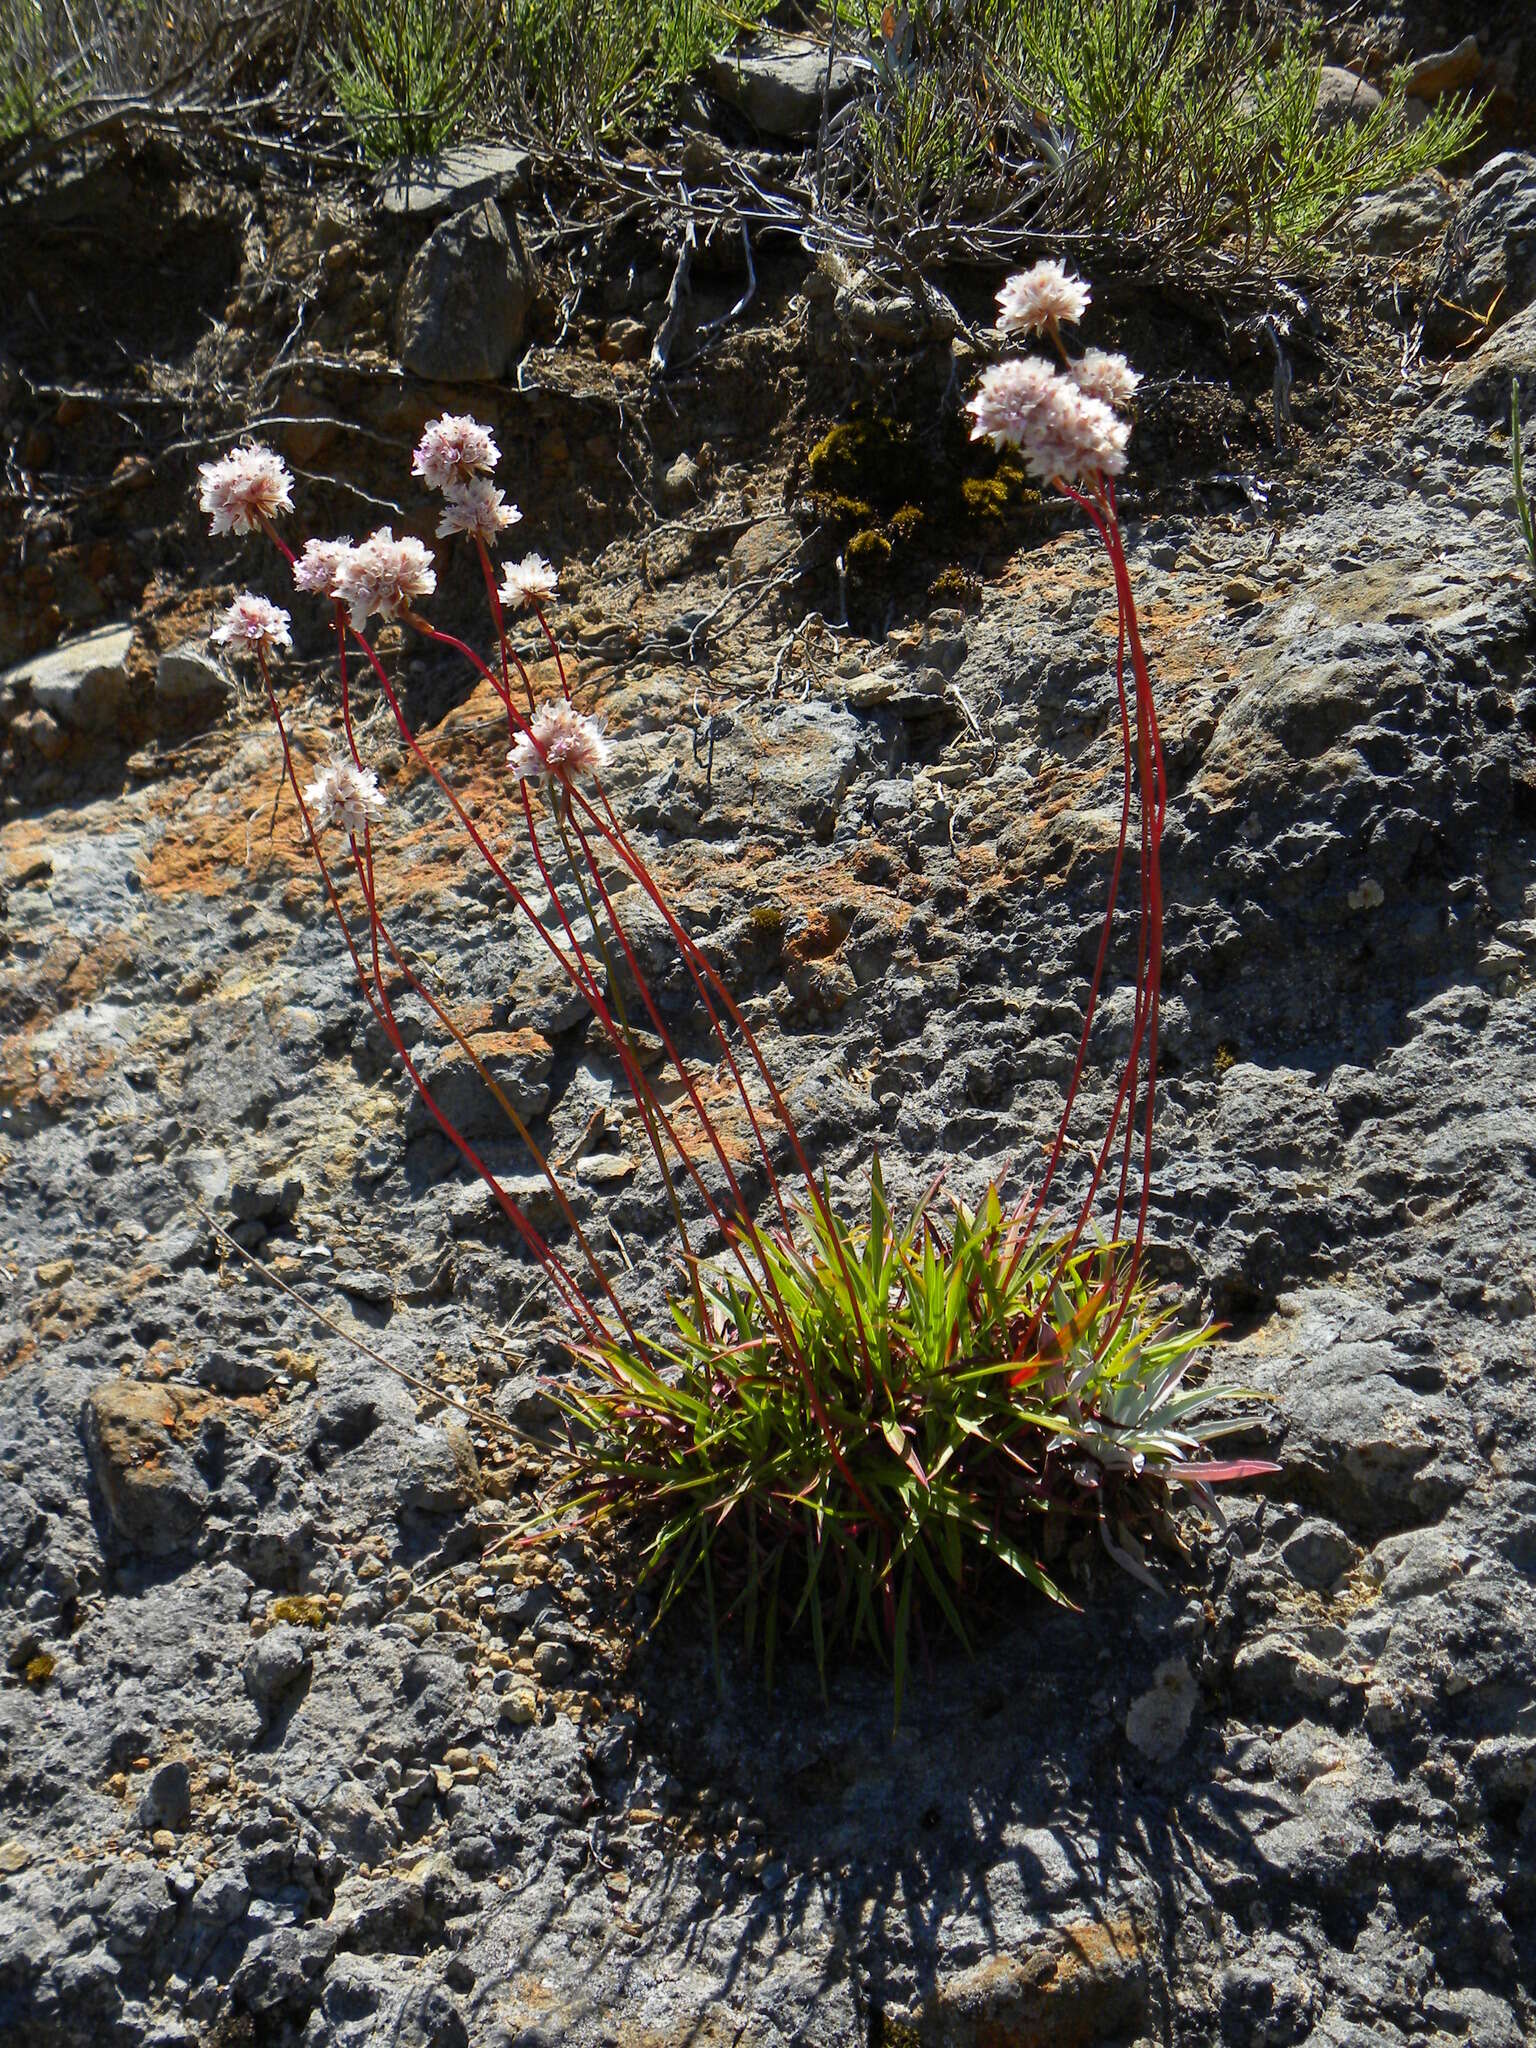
<point>1059,430</point>
<point>1009,397</point>
<point>531,581</point>
<point>320,565</point>
<point>384,575</point>
<point>243,488</point>
<point>253,625</point>
<point>344,794</point>
<point>1041,297</point>
<point>1105,376</point>
<point>569,744</point>
<point>476,508</point>
<point>452,449</point>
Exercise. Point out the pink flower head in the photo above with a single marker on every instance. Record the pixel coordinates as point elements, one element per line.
<point>252,625</point>
<point>244,488</point>
<point>476,508</point>
<point>531,581</point>
<point>1041,297</point>
<point>1059,430</point>
<point>319,567</point>
<point>344,794</point>
<point>384,575</point>
<point>1105,376</point>
<point>569,744</point>
<point>452,450</point>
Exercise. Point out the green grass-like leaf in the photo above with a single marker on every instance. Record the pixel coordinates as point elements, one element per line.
<point>845,1444</point>
<point>1523,510</point>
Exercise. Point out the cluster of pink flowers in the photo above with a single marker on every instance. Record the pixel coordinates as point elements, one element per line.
<point>1062,421</point>
<point>387,576</point>
<point>252,625</point>
<point>561,742</point>
<point>346,795</point>
<point>244,490</point>
<point>530,582</point>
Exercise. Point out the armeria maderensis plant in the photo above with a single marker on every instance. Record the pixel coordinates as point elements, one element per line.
<point>845,1420</point>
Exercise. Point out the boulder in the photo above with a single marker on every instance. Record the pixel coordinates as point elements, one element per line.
<point>277,1663</point>
<point>1479,387</point>
<point>427,187</point>
<point>519,1061</point>
<point>135,1436</point>
<point>191,688</point>
<point>1488,266</point>
<point>1397,223</point>
<point>1343,96</point>
<point>83,685</point>
<point>465,300</point>
<point>778,82</point>
<point>1441,71</point>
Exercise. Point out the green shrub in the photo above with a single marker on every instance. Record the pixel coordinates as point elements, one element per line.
<point>1132,118</point>
<point>919,1402</point>
<point>40,66</point>
<point>588,67</point>
<point>406,72</point>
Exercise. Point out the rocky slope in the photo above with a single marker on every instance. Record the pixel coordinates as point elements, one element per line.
<point>290,1752</point>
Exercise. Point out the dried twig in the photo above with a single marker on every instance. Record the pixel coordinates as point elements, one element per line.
<point>671,326</point>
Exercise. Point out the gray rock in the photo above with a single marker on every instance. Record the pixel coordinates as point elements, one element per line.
<point>153,1492</point>
<point>190,687</point>
<point>276,1664</point>
<point>1476,391</point>
<point>1398,222</point>
<point>166,1801</point>
<point>778,82</point>
<point>83,684</point>
<point>519,1062</point>
<point>437,1472</point>
<point>360,1827</point>
<point>425,187</point>
<point>1489,261</point>
<point>1318,1554</point>
<point>221,1899</point>
<point>428,2018</point>
<point>465,299</point>
<point>1343,96</point>
<point>253,1201</point>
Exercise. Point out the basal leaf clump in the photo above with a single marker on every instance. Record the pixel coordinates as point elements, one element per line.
<point>926,1399</point>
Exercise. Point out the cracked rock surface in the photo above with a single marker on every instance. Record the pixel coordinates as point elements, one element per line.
<point>291,1752</point>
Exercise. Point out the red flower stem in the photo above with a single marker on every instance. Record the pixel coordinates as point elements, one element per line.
<point>692,954</point>
<point>501,637</point>
<point>378,1004</point>
<point>610,831</point>
<point>446,1019</point>
<point>706,1121</point>
<point>689,950</point>
<point>554,648</point>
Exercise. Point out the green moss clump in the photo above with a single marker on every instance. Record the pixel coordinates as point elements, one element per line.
<point>905,522</point>
<point>955,585</point>
<point>39,1669</point>
<point>767,920</point>
<point>1224,1057</point>
<point>868,553</point>
<point>303,1609</point>
<point>854,457</point>
<point>836,508</point>
<point>985,497</point>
